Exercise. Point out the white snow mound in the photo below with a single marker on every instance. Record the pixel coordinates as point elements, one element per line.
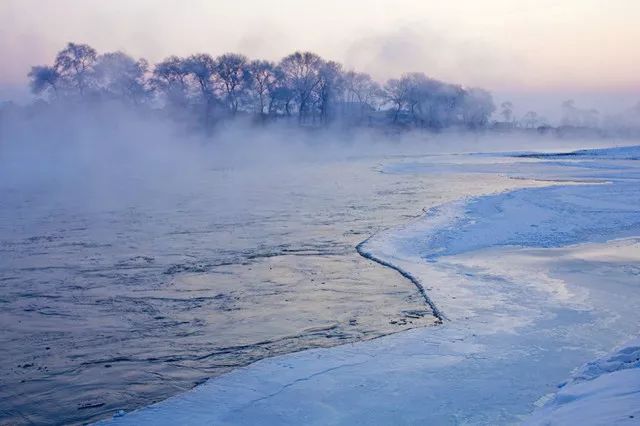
<point>602,392</point>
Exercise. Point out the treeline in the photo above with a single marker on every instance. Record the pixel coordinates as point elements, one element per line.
<point>302,87</point>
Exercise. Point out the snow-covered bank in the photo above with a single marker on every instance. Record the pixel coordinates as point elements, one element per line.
<point>528,302</point>
<point>612,153</point>
<point>602,392</point>
<point>520,339</point>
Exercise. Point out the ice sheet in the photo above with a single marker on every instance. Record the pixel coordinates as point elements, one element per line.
<point>525,301</point>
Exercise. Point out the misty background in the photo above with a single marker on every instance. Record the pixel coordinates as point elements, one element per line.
<point>536,54</point>
<point>168,169</point>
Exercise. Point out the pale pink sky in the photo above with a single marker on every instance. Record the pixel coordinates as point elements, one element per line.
<point>513,47</point>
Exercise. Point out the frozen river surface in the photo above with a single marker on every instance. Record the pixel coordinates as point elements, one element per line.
<point>115,297</point>
<point>532,283</point>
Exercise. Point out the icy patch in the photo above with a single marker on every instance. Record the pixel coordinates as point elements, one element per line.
<point>553,216</point>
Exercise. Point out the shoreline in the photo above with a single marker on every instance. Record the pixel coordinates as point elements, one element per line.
<point>267,386</point>
<point>414,280</point>
<point>454,299</point>
<point>178,332</point>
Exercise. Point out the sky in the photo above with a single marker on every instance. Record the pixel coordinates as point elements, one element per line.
<point>536,53</point>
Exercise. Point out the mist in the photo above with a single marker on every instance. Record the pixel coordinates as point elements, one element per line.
<point>105,156</point>
<point>219,199</point>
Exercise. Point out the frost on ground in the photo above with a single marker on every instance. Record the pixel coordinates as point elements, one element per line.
<point>534,282</point>
<point>602,392</point>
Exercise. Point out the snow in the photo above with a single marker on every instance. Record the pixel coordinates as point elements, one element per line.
<point>602,392</point>
<point>612,153</point>
<point>524,301</point>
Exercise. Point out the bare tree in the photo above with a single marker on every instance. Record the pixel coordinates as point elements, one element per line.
<point>329,89</point>
<point>282,95</point>
<point>170,78</point>
<point>301,72</point>
<point>396,92</point>
<point>232,73</point>
<point>201,68</point>
<point>263,78</point>
<point>361,90</point>
<point>420,91</point>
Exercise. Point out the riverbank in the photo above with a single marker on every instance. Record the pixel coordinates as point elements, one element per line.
<point>496,267</point>
<point>113,304</point>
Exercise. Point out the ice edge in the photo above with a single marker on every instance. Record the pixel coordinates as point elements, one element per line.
<point>368,255</point>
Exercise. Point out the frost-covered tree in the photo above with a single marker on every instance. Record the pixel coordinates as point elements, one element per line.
<point>569,113</point>
<point>361,91</point>
<point>301,73</point>
<point>477,107</point>
<point>579,117</point>
<point>262,83</point>
<point>438,104</point>
<point>530,120</point>
<point>626,122</point>
<point>171,81</point>
<point>396,92</point>
<point>201,69</point>
<point>419,89</point>
<point>428,102</point>
<point>282,95</point>
<point>75,66</point>
<point>233,77</point>
<point>121,77</point>
<point>330,89</point>
<point>44,79</point>
<point>72,73</point>
<point>302,83</point>
<point>506,111</point>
